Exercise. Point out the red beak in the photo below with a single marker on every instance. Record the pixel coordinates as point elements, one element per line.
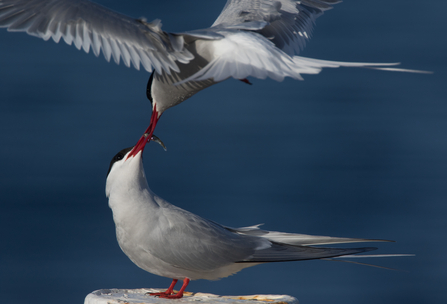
<point>147,136</point>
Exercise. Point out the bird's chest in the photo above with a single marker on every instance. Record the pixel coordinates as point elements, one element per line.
<point>165,88</point>
<point>134,239</point>
<point>133,224</point>
<point>167,93</point>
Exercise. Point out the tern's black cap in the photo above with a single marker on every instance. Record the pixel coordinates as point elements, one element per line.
<point>119,156</point>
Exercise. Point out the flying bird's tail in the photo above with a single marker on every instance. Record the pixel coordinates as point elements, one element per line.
<point>246,54</point>
<point>314,66</point>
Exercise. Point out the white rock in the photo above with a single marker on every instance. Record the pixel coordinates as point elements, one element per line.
<point>140,296</point>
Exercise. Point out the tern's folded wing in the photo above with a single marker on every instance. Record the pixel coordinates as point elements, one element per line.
<point>284,253</point>
<point>190,242</point>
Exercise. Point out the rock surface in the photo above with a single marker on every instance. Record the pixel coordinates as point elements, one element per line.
<point>140,296</point>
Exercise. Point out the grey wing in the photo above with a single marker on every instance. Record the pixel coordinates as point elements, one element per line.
<point>188,241</point>
<point>298,239</point>
<point>90,25</point>
<point>290,22</point>
<point>284,253</point>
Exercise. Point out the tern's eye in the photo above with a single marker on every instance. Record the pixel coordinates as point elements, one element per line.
<point>119,156</point>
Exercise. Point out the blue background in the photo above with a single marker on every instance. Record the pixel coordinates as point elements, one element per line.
<point>348,152</point>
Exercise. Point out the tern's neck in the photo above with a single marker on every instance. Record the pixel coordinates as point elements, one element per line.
<point>127,188</point>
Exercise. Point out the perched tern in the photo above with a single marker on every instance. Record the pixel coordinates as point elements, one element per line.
<point>171,242</point>
<point>257,38</point>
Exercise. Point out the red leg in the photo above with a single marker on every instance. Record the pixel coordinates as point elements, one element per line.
<point>167,292</point>
<point>179,294</point>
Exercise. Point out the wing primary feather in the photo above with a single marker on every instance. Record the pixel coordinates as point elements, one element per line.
<point>287,253</point>
<point>89,25</point>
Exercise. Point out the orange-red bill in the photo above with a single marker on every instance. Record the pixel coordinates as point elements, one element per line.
<point>147,136</point>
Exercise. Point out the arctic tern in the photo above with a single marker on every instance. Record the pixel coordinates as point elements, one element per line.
<point>257,38</point>
<point>171,242</point>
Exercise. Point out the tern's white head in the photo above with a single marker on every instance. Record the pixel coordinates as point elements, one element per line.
<point>126,172</point>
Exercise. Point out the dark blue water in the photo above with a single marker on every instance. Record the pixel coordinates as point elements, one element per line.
<point>349,152</point>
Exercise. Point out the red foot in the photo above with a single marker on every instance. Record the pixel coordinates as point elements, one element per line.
<point>168,293</point>
<point>173,296</point>
<point>158,294</point>
<point>246,81</point>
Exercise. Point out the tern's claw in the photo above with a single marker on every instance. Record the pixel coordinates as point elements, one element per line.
<point>158,140</point>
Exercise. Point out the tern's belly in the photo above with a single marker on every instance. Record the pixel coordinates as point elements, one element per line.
<point>144,259</point>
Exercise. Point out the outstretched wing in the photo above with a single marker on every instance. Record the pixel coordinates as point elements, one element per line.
<point>290,22</point>
<point>260,38</point>
<point>90,25</point>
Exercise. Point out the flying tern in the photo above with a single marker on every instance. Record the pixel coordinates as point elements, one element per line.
<point>171,242</point>
<point>257,38</point>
